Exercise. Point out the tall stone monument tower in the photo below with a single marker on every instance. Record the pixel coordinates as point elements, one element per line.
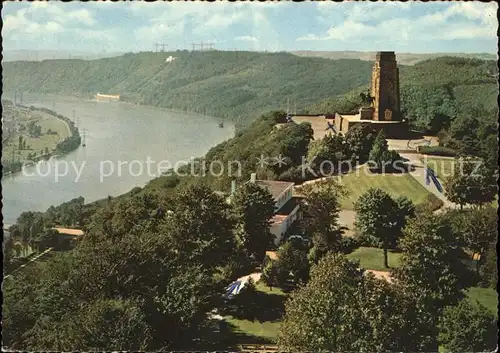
<point>385,87</point>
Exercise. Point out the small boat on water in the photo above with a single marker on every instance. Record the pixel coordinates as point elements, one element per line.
<point>221,125</point>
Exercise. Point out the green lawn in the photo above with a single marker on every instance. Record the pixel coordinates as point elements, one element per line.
<point>442,166</point>
<point>262,331</point>
<point>361,180</point>
<point>373,258</point>
<point>265,289</point>
<point>485,296</point>
<point>266,314</point>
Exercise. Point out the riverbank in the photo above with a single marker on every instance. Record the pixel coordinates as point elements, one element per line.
<point>35,134</point>
<point>120,137</point>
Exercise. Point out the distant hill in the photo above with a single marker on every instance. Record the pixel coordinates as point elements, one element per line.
<point>236,85</point>
<point>403,58</point>
<point>433,90</point>
<point>39,55</point>
<point>243,85</point>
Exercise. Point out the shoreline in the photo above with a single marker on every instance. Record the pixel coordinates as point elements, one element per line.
<point>90,97</point>
<point>72,134</point>
<point>54,152</point>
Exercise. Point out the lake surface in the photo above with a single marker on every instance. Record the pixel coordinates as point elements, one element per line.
<point>126,146</point>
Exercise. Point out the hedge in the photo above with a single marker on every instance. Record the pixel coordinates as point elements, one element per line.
<point>437,151</point>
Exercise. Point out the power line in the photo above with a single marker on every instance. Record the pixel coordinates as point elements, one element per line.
<point>160,45</point>
<point>202,45</point>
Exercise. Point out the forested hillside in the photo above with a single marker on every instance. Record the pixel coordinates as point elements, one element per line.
<point>243,85</point>
<point>435,92</point>
<point>403,58</point>
<point>225,84</point>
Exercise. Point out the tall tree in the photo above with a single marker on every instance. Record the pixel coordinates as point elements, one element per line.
<point>321,209</point>
<point>381,217</point>
<point>291,143</point>
<point>489,270</point>
<point>463,134</point>
<point>478,228</point>
<point>115,324</point>
<point>380,158</point>
<point>292,259</point>
<point>343,310</point>
<point>326,155</point>
<point>468,327</point>
<point>431,267</point>
<point>472,182</point>
<point>137,294</point>
<point>200,226</point>
<point>253,208</point>
<point>360,141</point>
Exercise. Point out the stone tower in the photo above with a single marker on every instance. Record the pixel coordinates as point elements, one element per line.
<point>385,87</point>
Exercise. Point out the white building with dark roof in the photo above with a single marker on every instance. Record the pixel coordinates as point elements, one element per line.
<point>287,207</point>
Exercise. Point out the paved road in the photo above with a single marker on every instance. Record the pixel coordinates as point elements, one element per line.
<point>254,276</point>
<point>346,219</point>
<point>419,174</point>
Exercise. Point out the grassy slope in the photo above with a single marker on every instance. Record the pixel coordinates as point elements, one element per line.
<point>358,182</point>
<point>373,258</point>
<point>488,297</point>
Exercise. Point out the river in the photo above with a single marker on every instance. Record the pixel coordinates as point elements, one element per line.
<point>126,146</point>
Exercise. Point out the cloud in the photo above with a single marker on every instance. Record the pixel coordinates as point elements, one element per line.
<point>393,22</point>
<point>81,16</point>
<point>19,24</point>
<point>41,18</point>
<point>223,20</point>
<point>309,37</point>
<point>247,39</point>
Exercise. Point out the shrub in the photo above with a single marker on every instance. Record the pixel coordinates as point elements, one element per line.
<point>437,151</point>
<point>366,240</point>
<point>239,265</point>
<point>293,174</point>
<point>467,328</point>
<point>269,273</point>
<point>170,182</point>
<point>349,244</point>
<point>431,204</point>
<point>244,302</point>
<point>489,271</point>
<point>135,190</point>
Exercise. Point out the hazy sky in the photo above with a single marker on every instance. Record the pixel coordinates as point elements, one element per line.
<point>367,26</point>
